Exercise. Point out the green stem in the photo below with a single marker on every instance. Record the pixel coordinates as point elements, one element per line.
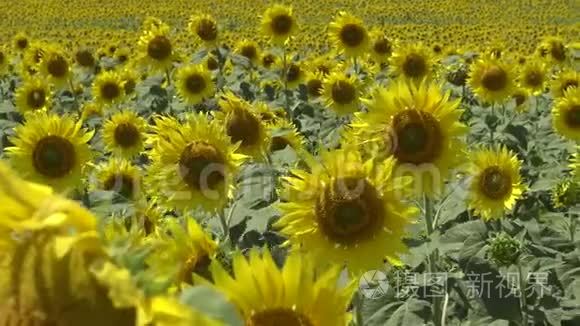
<point>284,73</point>
<point>492,128</point>
<point>221,63</point>
<point>524,304</point>
<point>225,228</point>
<point>432,266</point>
<point>572,227</point>
<point>358,303</point>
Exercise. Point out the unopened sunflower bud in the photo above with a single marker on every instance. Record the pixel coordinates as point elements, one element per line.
<point>504,250</point>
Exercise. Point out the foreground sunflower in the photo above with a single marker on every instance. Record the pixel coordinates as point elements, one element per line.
<point>419,126</point>
<point>194,83</point>
<point>121,177</point>
<point>51,150</point>
<point>491,80</point>
<point>564,81</point>
<point>124,134</point>
<point>194,164</point>
<point>182,251</point>
<point>349,35</point>
<point>34,94</point>
<point>278,23</point>
<point>341,93</point>
<point>292,296</point>
<point>496,182</point>
<point>347,211</point>
<point>412,62</point>
<point>108,88</point>
<point>243,124</point>
<point>205,28</point>
<point>566,115</point>
<point>533,76</point>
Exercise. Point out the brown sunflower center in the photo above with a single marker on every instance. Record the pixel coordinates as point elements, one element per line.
<point>314,87</point>
<point>249,51</point>
<point>293,73</point>
<point>418,137</point>
<point>352,35</point>
<point>558,51</point>
<point>212,63</point>
<point>520,99</point>
<point>382,47</point>
<point>495,183</point>
<point>350,210</point>
<point>22,43</point>
<point>343,92</point>
<point>414,65</point>
<point>57,66</point>
<point>207,30</point>
<point>201,166</point>
<point>36,98</point>
<point>85,58</point>
<point>110,91</point>
<point>281,24</point>
<point>494,79</point>
<point>243,126</point>
<point>195,83</point>
<point>122,184</point>
<point>279,317</point>
<point>573,117</point>
<point>127,135</point>
<point>534,78</point>
<point>54,156</point>
<point>129,85</point>
<point>437,48</point>
<point>159,48</point>
<point>268,60</point>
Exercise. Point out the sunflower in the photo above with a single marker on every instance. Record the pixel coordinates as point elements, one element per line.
<point>554,49</point>
<point>194,164</point>
<point>491,80</point>
<point>566,193</point>
<point>564,81</point>
<point>294,74</point>
<point>278,23</point>
<point>34,94</point>
<point>85,59</point>
<point>156,48</point>
<point>566,115</point>
<point>124,134</point>
<point>51,149</point>
<point>55,66</point>
<point>344,207</point>
<point>314,84</point>
<point>108,88</point>
<point>205,28</point>
<point>292,295</point>
<point>182,251</point>
<point>381,47</point>
<point>129,79</point>
<point>341,93</point>
<point>169,311</point>
<point>285,134</point>
<point>268,115</point>
<point>349,35</point>
<point>194,83</point>
<point>412,61</point>
<point>417,124</point>
<point>33,55</point>
<point>521,99</point>
<point>244,126</point>
<point>121,177</point>
<point>21,42</point>
<point>533,76</point>
<point>249,50</point>
<point>89,110</point>
<point>269,60</point>
<point>496,183</point>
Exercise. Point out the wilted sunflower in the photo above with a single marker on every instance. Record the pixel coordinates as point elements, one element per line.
<point>413,62</point>
<point>349,35</point>
<point>55,65</point>
<point>194,164</point>
<point>491,80</point>
<point>496,183</point>
<point>565,80</point>
<point>194,83</point>
<point>278,23</point>
<point>566,115</point>
<point>243,124</point>
<point>51,150</point>
<point>285,134</point>
<point>381,47</point>
<point>156,48</point>
<point>533,76</point>
<point>121,177</point>
<point>34,94</point>
<point>205,28</point>
<point>343,208</point>
<point>341,93</point>
<point>249,50</point>
<point>182,251</point>
<point>124,134</point>
<point>292,295</point>
<point>108,88</point>
<point>419,125</point>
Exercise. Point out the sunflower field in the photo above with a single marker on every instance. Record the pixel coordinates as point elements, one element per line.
<point>293,163</point>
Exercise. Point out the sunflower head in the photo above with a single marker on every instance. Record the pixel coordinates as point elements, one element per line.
<point>412,61</point>
<point>156,48</point>
<point>491,80</point>
<point>504,250</point>
<point>565,80</point>
<point>85,58</point>
<point>284,134</point>
<point>521,98</point>
<point>566,115</point>
<point>349,35</point>
<point>341,93</point>
<point>314,84</point>
<point>269,59</point>
<point>55,65</point>
<point>34,94</point>
<point>51,149</point>
<point>108,88</point>
<point>194,83</point>
<point>205,28</point>
<point>278,23</point>
<point>294,74</point>
<point>21,42</point>
<point>124,134</point>
<point>533,76</point>
<point>554,49</point>
<point>120,177</point>
<point>249,50</point>
<point>381,47</point>
<point>496,182</point>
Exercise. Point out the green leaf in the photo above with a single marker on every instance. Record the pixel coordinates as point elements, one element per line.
<point>212,303</point>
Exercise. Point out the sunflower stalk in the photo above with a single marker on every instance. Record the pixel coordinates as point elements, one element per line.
<point>523,301</point>
<point>433,257</point>
<point>284,73</point>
